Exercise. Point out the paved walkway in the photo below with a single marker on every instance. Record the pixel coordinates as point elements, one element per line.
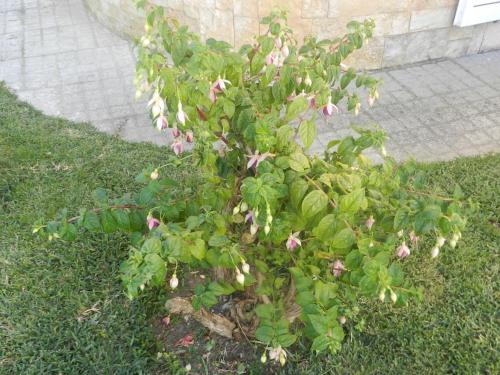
<point>56,56</point>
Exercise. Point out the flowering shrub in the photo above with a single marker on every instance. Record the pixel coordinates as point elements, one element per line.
<point>300,239</point>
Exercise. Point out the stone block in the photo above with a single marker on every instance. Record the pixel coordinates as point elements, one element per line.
<point>388,23</point>
<point>491,38</point>
<point>314,8</point>
<point>369,57</point>
<point>353,8</point>
<point>431,4</point>
<point>224,4</point>
<point>245,28</point>
<point>294,7</point>
<point>431,18</point>
<point>246,8</point>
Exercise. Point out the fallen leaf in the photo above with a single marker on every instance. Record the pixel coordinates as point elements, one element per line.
<point>185,341</point>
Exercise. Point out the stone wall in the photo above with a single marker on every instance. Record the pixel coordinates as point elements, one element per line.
<point>407,30</point>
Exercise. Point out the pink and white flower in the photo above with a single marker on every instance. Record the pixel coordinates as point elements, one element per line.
<point>329,109</point>
<point>257,158</point>
<point>181,115</point>
<point>176,133</point>
<point>293,241</point>
<point>152,222</point>
<point>403,251</point>
<point>189,136</point>
<point>338,268</point>
<point>369,222</point>
<point>220,84</point>
<point>312,101</point>
<point>161,123</point>
<point>413,238</point>
<point>177,147</point>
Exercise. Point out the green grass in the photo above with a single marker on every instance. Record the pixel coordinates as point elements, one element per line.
<point>47,164</point>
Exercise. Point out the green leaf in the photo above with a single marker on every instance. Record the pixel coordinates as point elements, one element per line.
<point>343,239</point>
<point>152,245</point>
<point>198,249</point>
<point>353,202</point>
<point>108,222</point>
<point>313,203</point>
<point>122,219</point>
<point>91,222</point>
<point>229,108</point>
<point>100,196</point>
<point>326,228</point>
<point>320,343</point>
<point>264,333</point>
<point>221,288</point>
<point>298,162</point>
<point>218,240</point>
<point>307,133</point>
<point>426,220</point>
<point>353,259</point>
<point>299,105</point>
<point>297,192</point>
<point>286,340</point>
<point>265,311</point>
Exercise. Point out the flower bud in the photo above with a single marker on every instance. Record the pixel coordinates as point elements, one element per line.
<point>342,320</point>
<point>263,358</point>
<point>282,358</point>
<point>245,267</point>
<point>453,243</point>
<point>189,136</point>
<point>278,43</point>
<point>435,252</point>
<point>383,151</point>
<point>154,175</point>
<point>285,51</point>
<point>455,237</point>
<point>142,286</point>
<point>298,80</point>
<point>269,219</point>
<point>174,281</point>
<point>145,41</point>
<point>369,222</point>
<point>161,123</point>
<point>267,229</point>
<point>236,210</point>
<point>308,81</point>
<point>381,295</point>
<point>138,94</point>
<point>357,108</point>
<point>243,206</point>
<point>440,241</point>
<point>400,233</point>
<point>253,229</point>
<point>394,297</point>
<point>240,278</point>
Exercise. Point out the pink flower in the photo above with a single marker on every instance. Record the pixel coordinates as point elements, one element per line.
<point>220,84</point>
<point>369,222</point>
<point>189,136</point>
<point>161,123</point>
<point>181,115</point>
<point>177,147</point>
<point>212,94</point>
<point>256,159</point>
<point>250,217</point>
<point>285,51</point>
<point>403,251</point>
<point>293,241</point>
<point>330,108</point>
<point>152,222</point>
<point>270,59</point>
<point>291,97</point>
<point>201,114</point>
<point>176,132</point>
<point>413,238</point>
<point>312,101</point>
<point>338,268</point>
<point>278,43</point>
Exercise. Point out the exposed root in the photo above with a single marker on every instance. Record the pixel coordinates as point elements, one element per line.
<point>215,323</point>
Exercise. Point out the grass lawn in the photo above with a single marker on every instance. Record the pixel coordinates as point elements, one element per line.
<point>63,311</point>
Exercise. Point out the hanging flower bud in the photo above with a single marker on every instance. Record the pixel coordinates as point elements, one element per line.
<point>263,358</point>
<point>157,104</point>
<point>338,268</point>
<point>189,136</point>
<point>201,114</point>
<point>145,41</point>
<point>154,175</point>
<point>270,59</point>
<point>278,43</point>
<point>394,297</point>
<point>383,151</point>
<point>282,358</point>
<point>440,241</point>
<point>177,147</point>
<point>342,320</point>
<point>453,243</point>
<point>413,238</point>
<point>369,222</point>
<point>285,51</point>
<point>236,210</point>
<point>329,109</point>
<point>357,107</point>
<point>403,251</point>
<point>371,100</point>
<point>267,229</point>
<point>240,278</point>
<point>243,206</point>
<point>142,287</point>
<point>400,233</point>
<point>181,115</point>
<point>293,241</point>
<point>161,123</point>
<point>298,80</point>
<point>256,159</point>
<point>174,281</point>
<point>245,267</point>
<point>435,252</point>
<point>253,229</point>
<point>307,80</point>
<point>381,295</point>
<point>152,222</point>
<point>455,237</point>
